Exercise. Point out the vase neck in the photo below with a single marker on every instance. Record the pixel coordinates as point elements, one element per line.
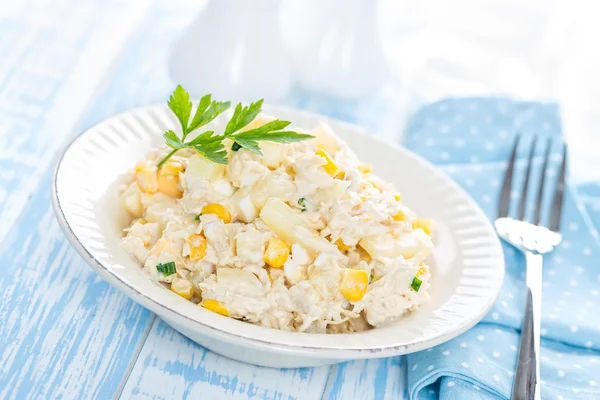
<point>246,6</point>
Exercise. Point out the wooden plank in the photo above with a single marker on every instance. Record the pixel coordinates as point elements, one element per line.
<point>367,379</point>
<point>65,331</point>
<point>47,87</point>
<point>171,366</point>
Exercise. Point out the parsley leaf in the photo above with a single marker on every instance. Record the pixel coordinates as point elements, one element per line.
<point>271,132</point>
<point>180,104</point>
<point>251,145</point>
<point>207,111</point>
<point>202,138</point>
<point>210,144</point>
<point>242,116</point>
<point>172,140</point>
<point>214,151</point>
<point>276,125</point>
<point>279,137</point>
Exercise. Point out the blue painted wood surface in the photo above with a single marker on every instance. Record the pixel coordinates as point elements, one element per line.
<point>196,373</point>
<point>66,333</point>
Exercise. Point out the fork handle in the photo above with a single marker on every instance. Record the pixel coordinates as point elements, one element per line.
<point>527,377</point>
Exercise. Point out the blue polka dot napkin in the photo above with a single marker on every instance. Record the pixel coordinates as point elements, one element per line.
<point>589,194</point>
<point>470,139</point>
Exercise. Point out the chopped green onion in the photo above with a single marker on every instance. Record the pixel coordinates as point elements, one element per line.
<point>197,217</point>
<point>416,284</point>
<point>371,276</point>
<point>235,146</point>
<point>167,268</point>
<point>302,203</point>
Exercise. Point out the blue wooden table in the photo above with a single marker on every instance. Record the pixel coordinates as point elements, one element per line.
<point>64,332</point>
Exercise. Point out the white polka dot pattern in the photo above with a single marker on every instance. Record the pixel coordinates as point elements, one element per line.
<point>473,149</point>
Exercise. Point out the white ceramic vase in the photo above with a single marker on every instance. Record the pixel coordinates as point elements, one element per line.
<point>334,46</point>
<point>233,50</point>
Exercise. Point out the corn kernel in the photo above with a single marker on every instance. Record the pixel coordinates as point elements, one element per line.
<point>330,166</point>
<point>276,253</point>
<point>168,179</point>
<point>354,284</point>
<point>171,168</point>
<point>397,197</point>
<point>219,210</point>
<point>146,176</point>
<point>169,185</point>
<point>342,246</point>
<point>399,216</point>
<point>425,224</point>
<point>365,168</point>
<point>215,306</point>
<point>421,272</point>
<point>182,287</point>
<point>197,245</point>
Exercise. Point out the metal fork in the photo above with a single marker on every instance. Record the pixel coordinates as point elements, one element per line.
<point>534,240</point>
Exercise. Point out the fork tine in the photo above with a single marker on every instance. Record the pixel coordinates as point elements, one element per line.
<point>557,202</point>
<point>540,195</point>
<point>504,201</point>
<point>523,201</point>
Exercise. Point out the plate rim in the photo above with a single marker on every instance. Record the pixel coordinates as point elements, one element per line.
<point>323,352</point>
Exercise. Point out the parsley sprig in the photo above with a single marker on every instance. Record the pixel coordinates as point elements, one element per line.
<point>210,144</point>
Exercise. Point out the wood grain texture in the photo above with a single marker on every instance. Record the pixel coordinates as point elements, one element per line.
<point>65,332</point>
<point>171,366</point>
<point>377,379</point>
<point>45,90</point>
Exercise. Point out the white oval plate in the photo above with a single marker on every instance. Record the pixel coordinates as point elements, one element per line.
<point>467,271</point>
